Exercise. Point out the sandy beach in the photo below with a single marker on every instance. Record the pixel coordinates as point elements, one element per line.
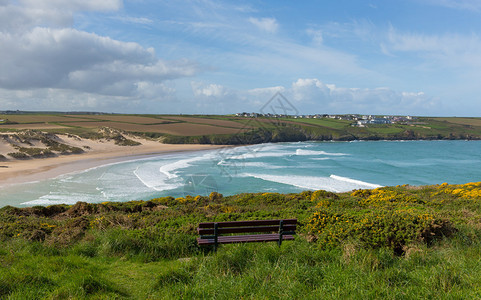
<point>97,153</point>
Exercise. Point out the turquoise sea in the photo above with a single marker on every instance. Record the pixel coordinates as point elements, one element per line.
<point>283,167</point>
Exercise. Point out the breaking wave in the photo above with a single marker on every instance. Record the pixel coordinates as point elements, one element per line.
<point>332,183</point>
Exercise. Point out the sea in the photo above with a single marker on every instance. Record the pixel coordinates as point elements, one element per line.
<point>279,167</point>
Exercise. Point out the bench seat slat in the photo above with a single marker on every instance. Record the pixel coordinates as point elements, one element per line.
<point>206,231</point>
<point>245,239</point>
<point>248,223</point>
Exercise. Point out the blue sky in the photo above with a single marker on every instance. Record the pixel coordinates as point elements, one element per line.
<point>204,56</point>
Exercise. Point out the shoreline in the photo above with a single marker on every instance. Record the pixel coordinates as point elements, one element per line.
<point>38,169</point>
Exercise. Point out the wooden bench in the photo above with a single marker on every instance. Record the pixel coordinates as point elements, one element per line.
<point>214,233</point>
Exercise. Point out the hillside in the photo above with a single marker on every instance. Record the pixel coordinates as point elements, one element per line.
<point>391,242</point>
<point>232,130</point>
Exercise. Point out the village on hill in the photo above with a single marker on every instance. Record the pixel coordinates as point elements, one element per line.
<point>359,120</point>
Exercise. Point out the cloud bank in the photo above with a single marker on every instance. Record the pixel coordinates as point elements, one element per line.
<point>311,96</point>
<point>41,51</point>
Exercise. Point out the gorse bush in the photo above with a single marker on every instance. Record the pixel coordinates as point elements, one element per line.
<point>391,217</point>
<point>382,196</point>
<point>392,229</point>
<point>470,190</point>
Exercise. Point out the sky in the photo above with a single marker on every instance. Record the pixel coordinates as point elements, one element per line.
<point>406,57</point>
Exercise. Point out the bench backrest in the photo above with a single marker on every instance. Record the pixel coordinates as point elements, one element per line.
<point>288,226</point>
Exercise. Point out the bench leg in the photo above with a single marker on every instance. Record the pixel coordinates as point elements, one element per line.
<point>216,234</point>
<point>281,232</point>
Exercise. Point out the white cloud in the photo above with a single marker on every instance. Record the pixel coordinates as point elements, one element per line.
<point>269,25</point>
<point>134,20</point>
<point>72,59</point>
<point>311,95</point>
<point>352,31</point>
<point>150,97</point>
<point>18,16</point>
<point>40,52</point>
<point>74,5</point>
<point>446,50</point>
<point>266,92</point>
<point>316,35</point>
<point>209,90</point>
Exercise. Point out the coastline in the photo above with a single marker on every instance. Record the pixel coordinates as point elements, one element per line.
<point>22,171</point>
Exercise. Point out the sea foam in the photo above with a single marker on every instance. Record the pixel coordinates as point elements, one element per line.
<point>162,176</point>
<point>314,152</point>
<point>332,183</point>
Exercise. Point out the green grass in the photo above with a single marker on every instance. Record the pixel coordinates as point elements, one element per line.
<point>386,129</point>
<point>325,122</point>
<point>248,271</point>
<point>398,243</point>
<point>37,152</point>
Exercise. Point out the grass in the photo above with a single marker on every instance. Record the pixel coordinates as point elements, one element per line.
<point>36,152</point>
<point>462,121</point>
<point>248,271</point>
<point>325,122</point>
<point>19,155</point>
<point>399,243</point>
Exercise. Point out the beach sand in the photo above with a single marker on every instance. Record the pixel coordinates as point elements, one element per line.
<point>97,153</point>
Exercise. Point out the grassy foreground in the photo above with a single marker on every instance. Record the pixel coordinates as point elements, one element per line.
<point>394,242</point>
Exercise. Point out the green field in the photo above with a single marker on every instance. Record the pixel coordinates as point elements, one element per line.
<point>394,242</point>
<point>217,129</point>
<point>324,122</point>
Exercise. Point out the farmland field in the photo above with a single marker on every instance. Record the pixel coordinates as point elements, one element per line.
<point>39,118</point>
<point>337,124</point>
<point>200,120</point>
<point>225,129</point>
<point>125,119</point>
<point>461,121</point>
<point>26,126</point>
<point>181,129</point>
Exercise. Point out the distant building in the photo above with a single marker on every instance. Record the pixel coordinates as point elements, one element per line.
<point>379,121</point>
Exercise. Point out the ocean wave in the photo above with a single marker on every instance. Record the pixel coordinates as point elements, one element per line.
<point>58,198</point>
<point>362,184</point>
<point>332,183</point>
<point>153,178</point>
<point>259,154</point>
<point>314,152</point>
<point>165,177</point>
<point>169,170</point>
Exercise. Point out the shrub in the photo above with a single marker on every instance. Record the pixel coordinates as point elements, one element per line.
<point>37,152</point>
<point>382,228</point>
<point>321,194</point>
<point>122,141</point>
<point>62,148</point>
<point>471,190</point>
<point>18,155</point>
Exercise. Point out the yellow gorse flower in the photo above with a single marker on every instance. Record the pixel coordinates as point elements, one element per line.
<point>471,190</point>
